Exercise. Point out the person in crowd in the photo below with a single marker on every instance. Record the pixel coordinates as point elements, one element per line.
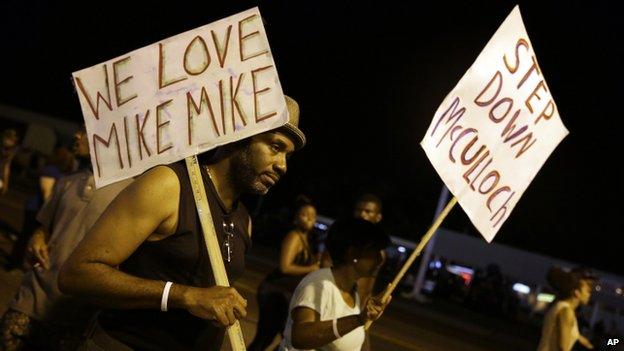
<point>58,165</point>
<point>325,312</point>
<point>145,261</point>
<point>40,317</point>
<point>560,330</point>
<point>10,140</point>
<point>296,260</point>
<point>369,208</point>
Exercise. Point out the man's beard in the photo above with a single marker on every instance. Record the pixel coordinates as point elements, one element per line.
<point>242,175</point>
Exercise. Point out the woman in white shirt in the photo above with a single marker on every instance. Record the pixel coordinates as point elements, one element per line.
<point>560,330</point>
<point>324,312</point>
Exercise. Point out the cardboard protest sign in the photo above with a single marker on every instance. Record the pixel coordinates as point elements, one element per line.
<point>181,96</point>
<point>495,129</point>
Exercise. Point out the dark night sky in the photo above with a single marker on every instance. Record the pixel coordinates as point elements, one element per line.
<point>369,77</point>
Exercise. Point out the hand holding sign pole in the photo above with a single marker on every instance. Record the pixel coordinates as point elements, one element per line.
<point>185,95</point>
<point>235,333</point>
<point>492,133</point>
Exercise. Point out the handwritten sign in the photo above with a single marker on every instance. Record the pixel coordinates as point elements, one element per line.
<point>496,128</point>
<point>182,96</point>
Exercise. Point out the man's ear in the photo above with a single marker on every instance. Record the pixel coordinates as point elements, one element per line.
<point>379,217</point>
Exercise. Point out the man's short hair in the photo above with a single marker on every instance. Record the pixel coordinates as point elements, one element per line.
<point>354,233</point>
<point>370,198</point>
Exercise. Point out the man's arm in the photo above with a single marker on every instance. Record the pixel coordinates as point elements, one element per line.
<point>38,247</point>
<point>46,184</point>
<point>146,209</point>
<point>131,218</point>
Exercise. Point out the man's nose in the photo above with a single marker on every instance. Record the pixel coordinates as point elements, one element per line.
<point>280,166</point>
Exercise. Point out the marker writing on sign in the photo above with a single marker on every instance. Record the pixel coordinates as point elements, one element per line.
<point>479,173</point>
<point>185,77</point>
<point>464,142</point>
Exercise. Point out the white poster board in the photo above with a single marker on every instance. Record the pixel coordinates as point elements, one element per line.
<point>181,96</point>
<point>495,129</point>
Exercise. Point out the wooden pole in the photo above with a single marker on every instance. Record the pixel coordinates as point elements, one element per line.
<point>421,245</point>
<point>235,333</point>
<point>428,250</point>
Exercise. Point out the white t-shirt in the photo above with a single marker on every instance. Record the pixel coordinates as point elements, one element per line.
<point>319,292</point>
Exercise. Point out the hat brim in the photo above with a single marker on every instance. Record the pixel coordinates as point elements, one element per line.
<point>295,134</point>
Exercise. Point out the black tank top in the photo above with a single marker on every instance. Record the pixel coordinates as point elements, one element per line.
<point>285,284</point>
<point>182,259</point>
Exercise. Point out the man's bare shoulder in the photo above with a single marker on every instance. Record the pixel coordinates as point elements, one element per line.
<point>161,174</point>
<point>158,184</point>
<point>152,198</point>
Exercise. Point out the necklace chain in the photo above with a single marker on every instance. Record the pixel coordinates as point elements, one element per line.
<point>228,229</point>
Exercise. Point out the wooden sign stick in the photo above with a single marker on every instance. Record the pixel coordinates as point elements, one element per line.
<point>235,333</point>
<point>421,245</point>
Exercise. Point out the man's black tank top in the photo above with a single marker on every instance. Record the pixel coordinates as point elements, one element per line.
<point>182,259</point>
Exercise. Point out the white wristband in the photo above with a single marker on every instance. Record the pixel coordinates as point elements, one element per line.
<point>165,297</point>
<point>335,326</point>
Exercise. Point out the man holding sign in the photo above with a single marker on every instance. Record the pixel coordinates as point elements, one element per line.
<point>152,233</point>
<point>147,260</point>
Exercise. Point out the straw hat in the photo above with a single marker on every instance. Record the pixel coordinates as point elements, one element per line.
<point>291,128</point>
